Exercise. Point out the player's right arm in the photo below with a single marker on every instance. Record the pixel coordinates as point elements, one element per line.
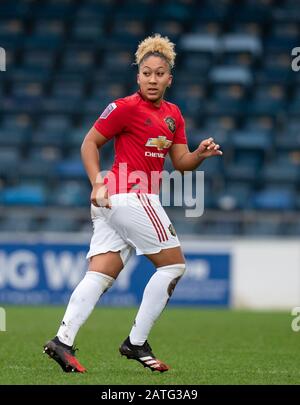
<point>110,123</point>
<point>92,142</point>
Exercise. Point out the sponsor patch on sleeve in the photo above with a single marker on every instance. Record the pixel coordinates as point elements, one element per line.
<point>109,109</point>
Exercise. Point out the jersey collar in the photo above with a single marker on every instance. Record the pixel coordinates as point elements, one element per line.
<point>151,105</point>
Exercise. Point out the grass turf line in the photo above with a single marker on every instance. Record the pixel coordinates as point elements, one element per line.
<point>202,346</point>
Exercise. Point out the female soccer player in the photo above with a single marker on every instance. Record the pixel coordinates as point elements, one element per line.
<point>126,211</point>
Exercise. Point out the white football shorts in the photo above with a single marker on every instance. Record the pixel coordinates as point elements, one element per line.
<point>135,221</point>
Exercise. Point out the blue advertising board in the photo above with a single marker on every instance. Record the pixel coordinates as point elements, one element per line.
<point>47,273</point>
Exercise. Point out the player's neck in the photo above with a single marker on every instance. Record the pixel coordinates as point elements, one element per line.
<point>156,103</point>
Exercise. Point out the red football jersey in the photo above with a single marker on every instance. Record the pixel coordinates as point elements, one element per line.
<point>143,135</point>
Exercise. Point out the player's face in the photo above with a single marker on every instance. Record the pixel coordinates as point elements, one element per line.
<point>153,78</point>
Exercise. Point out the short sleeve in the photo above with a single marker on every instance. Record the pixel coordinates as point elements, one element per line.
<point>113,119</point>
<point>180,135</point>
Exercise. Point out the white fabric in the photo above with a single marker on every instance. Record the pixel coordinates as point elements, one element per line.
<point>81,304</point>
<point>154,300</point>
<point>134,221</point>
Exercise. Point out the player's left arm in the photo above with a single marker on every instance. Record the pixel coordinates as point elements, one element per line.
<point>184,160</point>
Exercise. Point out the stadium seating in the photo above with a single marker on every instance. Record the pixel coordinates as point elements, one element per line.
<point>67,59</point>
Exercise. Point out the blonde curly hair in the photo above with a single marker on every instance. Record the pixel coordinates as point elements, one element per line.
<point>158,46</point>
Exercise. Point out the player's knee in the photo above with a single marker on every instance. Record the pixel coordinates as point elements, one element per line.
<point>176,270</point>
<point>98,277</point>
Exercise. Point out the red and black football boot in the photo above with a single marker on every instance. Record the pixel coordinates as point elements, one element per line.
<point>64,355</point>
<point>143,354</point>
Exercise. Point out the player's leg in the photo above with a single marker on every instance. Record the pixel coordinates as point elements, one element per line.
<point>103,270</point>
<point>145,225</point>
<point>107,256</point>
<point>170,267</point>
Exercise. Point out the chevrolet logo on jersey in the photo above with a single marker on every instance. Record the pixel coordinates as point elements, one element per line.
<point>161,142</point>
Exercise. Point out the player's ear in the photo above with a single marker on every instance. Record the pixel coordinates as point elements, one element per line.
<point>138,79</point>
<point>170,80</point>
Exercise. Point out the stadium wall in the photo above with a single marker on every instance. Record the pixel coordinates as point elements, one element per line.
<point>254,274</point>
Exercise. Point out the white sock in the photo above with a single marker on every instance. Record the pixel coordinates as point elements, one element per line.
<point>156,295</point>
<point>81,304</point>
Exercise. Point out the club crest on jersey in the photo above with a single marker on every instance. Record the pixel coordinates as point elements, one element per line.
<point>171,124</point>
<point>109,109</point>
<point>172,230</point>
<point>161,142</point>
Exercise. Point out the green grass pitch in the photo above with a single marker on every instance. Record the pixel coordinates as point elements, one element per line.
<point>202,346</point>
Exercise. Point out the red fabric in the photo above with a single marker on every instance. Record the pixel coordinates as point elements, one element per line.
<point>135,122</point>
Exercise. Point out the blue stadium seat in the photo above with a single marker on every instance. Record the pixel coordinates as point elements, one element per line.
<point>60,105</point>
<point>27,73</point>
<point>274,199</point>
<point>94,9</point>
<point>262,228</point>
<point>293,229</point>
<point>195,62</point>
<point>49,137</point>
<point>227,99</point>
<point>211,167</point>
<point>55,123</point>
<point>16,137</point>
<point>221,123</point>
<point>241,43</point>
<point>294,107</point>
<point>117,61</point>
<point>250,12</point>
<point>208,11</point>
<point>25,194</point>
<point>234,196</point>
<point>95,106</point>
<point>59,222</point>
<point>45,154</point>
<point>11,28</point>
<point>68,90</point>
<point>276,173</point>
<point>259,123</point>
<point>231,74</point>
<point>176,11</point>
<point>268,99</point>
<point>31,89</point>
<point>251,140</point>
<point>88,31</point>
<point>54,10</point>
<point>132,9</point>
<point>50,41</point>
<point>16,122</point>
<point>287,141</point>
<point>241,172</point>
<point>18,222</point>
<point>9,160</point>
<point>224,228</point>
<point>39,59</point>
<point>32,170</point>
<point>71,193</point>
<point>13,10</point>
<point>76,136</point>
<point>67,59</point>
<point>194,42</point>
<point>71,169</point>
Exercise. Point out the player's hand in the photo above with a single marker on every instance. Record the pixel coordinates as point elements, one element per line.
<point>99,196</point>
<point>208,148</point>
